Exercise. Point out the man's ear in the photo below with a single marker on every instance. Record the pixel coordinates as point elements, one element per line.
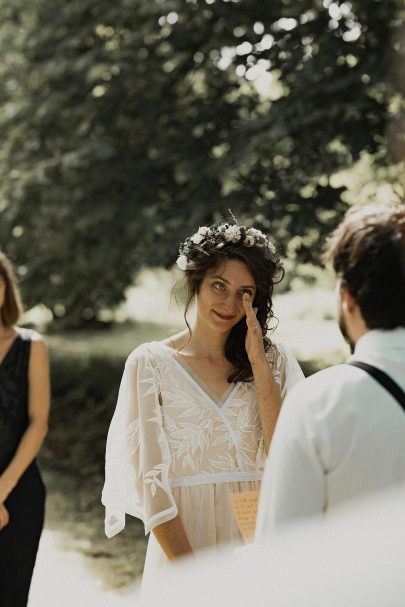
<point>349,303</point>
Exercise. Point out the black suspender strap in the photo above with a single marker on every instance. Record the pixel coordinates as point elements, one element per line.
<point>383,379</point>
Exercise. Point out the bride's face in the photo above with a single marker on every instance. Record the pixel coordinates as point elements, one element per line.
<point>219,301</point>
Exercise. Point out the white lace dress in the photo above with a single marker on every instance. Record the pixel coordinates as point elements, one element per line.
<point>174,448</point>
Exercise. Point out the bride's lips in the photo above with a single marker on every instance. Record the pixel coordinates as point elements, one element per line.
<point>223,317</point>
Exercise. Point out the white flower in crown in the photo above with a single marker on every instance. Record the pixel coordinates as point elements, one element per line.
<point>232,234</point>
<point>197,238</point>
<point>271,247</point>
<point>255,233</point>
<point>204,231</point>
<point>249,241</point>
<point>182,262</point>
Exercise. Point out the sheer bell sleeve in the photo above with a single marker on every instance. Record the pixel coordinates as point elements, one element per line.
<point>286,369</point>
<point>137,452</point>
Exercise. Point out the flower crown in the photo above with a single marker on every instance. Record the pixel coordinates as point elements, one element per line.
<point>214,238</point>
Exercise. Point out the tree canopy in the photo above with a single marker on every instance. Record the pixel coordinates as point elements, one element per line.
<point>127,125</point>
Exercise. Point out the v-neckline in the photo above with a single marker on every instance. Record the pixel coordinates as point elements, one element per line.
<point>9,349</point>
<point>218,401</point>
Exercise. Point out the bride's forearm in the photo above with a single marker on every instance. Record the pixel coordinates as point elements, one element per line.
<point>173,539</point>
<point>268,399</point>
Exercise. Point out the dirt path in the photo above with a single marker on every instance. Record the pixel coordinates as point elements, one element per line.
<point>76,565</point>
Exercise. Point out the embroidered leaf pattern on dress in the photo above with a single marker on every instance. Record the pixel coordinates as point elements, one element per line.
<point>168,432</point>
<point>133,436</point>
<point>224,462</point>
<point>151,478</point>
<point>175,429</point>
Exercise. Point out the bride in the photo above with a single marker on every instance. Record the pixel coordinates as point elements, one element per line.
<point>196,412</point>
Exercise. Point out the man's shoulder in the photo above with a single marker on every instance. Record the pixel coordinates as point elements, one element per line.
<point>331,384</point>
<point>330,374</point>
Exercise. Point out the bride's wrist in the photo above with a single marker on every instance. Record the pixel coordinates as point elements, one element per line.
<point>261,366</point>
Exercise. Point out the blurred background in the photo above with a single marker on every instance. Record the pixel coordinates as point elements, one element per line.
<point>124,127</point>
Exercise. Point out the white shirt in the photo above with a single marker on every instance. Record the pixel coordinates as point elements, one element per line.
<point>339,435</point>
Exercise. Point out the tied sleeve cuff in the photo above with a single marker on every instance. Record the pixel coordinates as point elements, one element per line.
<point>159,518</point>
<point>114,521</point>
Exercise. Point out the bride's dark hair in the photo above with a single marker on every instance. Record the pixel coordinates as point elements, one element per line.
<point>266,274</point>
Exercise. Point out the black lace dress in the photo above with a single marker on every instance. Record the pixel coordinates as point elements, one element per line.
<point>25,504</point>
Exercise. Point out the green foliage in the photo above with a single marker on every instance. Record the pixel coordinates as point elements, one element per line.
<point>125,125</point>
<point>84,393</point>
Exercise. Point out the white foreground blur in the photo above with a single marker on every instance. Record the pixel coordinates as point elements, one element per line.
<point>62,578</point>
<point>355,557</point>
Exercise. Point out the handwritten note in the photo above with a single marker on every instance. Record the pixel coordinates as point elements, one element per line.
<point>244,506</point>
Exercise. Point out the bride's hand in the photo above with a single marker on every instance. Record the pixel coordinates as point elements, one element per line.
<point>254,337</point>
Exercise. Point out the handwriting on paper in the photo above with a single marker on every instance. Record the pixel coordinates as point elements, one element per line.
<point>244,506</point>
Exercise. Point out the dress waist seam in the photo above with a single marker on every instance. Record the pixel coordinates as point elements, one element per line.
<point>220,477</point>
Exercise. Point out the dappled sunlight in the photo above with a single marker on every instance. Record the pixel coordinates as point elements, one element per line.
<point>307,325</point>
<point>152,299</point>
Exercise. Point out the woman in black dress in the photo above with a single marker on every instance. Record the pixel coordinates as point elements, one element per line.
<point>24,409</point>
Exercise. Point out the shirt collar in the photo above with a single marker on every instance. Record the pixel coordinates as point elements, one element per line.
<point>381,340</point>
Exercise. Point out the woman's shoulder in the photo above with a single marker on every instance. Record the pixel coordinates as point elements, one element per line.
<point>175,342</point>
<point>150,350</point>
<point>33,345</point>
<point>29,335</point>
<point>159,349</point>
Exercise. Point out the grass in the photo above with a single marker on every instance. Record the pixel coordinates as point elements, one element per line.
<point>117,341</point>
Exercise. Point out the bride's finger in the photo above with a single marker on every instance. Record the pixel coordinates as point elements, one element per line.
<point>247,304</point>
<point>250,311</point>
<point>252,323</point>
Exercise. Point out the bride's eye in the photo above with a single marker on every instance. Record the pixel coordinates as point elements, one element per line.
<point>218,286</point>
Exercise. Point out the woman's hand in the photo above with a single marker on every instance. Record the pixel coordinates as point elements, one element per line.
<point>254,337</point>
<point>5,489</point>
<point>4,516</point>
<point>267,390</point>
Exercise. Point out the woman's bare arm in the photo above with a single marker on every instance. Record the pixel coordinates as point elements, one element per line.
<point>267,390</point>
<point>268,400</point>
